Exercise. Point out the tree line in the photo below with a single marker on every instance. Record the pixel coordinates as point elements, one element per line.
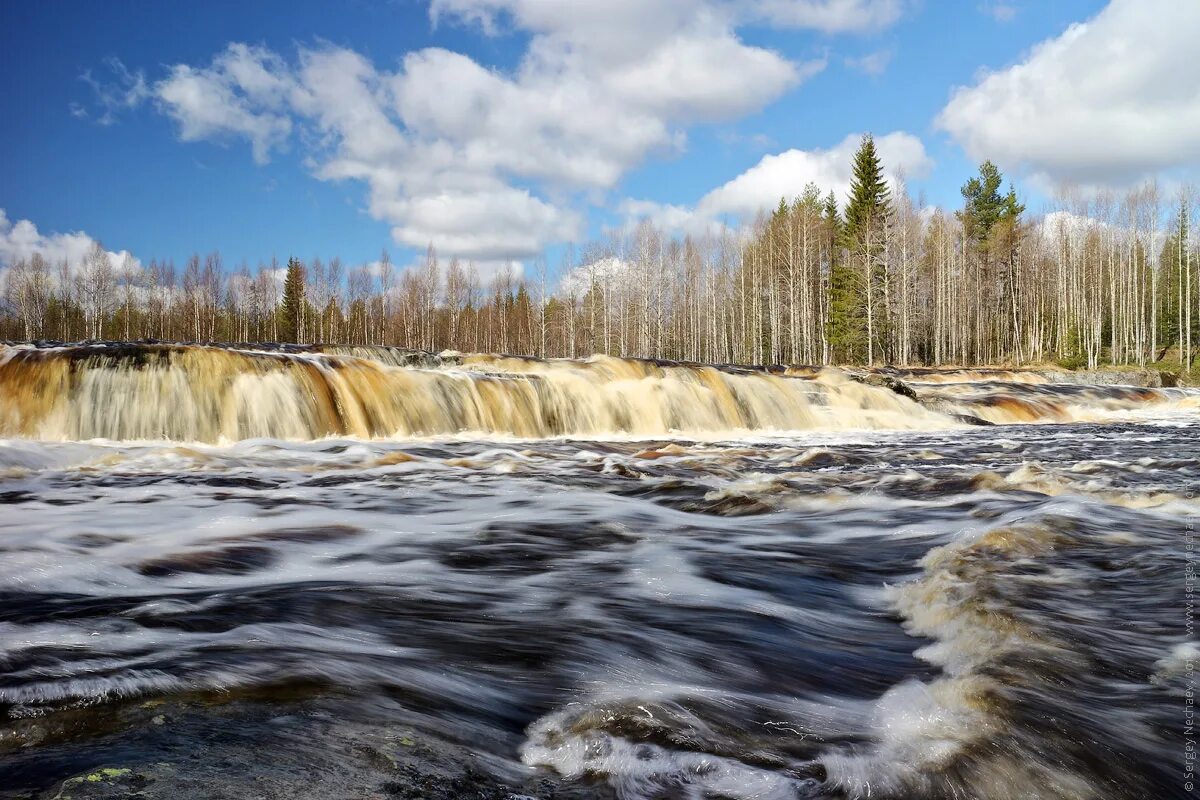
<point>877,279</point>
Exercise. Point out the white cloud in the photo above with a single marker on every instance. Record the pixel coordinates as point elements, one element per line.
<point>488,164</point>
<point>784,175</point>
<point>631,24</point>
<point>488,271</point>
<point>705,74</point>
<point>667,216</point>
<point>1068,223</point>
<point>20,240</point>
<point>1108,102</point>
<point>1075,226</point>
<point>875,63</point>
<point>829,16</point>
<point>243,94</point>
<point>577,282</point>
<point>485,270</point>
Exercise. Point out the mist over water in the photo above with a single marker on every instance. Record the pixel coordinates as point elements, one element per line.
<point>354,574</point>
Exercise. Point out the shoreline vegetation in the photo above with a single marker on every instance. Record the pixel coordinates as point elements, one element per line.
<point>877,278</point>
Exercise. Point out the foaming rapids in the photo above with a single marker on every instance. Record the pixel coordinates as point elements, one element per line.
<point>1027,401</point>
<point>208,394</point>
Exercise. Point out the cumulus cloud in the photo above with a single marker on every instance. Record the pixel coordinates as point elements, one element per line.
<point>1106,103</point>
<point>488,164</point>
<point>785,175</point>
<point>20,240</point>
<point>243,93</point>
<point>609,271</point>
<point>1069,224</point>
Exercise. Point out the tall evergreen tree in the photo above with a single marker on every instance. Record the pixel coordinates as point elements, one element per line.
<point>1003,249</point>
<point>1173,262</point>
<point>868,214</point>
<point>870,198</point>
<point>845,319</point>
<point>992,230</point>
<point>983,205</point>
<point>291,310</point>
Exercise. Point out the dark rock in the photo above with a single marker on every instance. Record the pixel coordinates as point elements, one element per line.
<point>889,382</point>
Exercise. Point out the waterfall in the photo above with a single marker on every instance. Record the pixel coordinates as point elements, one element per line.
<point>211,394</point>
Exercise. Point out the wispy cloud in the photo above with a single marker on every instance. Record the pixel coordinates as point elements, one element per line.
<point>875,63</point>
<point>1000,10</point>
<point>115,91</point>
<point>749,141</point>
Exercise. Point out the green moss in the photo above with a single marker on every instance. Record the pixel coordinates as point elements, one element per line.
<point>105,774</point>
<point>99,776</point>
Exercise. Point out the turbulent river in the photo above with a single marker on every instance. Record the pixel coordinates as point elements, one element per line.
<point>352,573</point>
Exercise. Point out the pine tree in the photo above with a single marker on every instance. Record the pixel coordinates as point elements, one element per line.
<point>867,216</point>
<point>291,310</point>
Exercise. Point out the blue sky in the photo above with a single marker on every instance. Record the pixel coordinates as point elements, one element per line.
<point>499,128</point>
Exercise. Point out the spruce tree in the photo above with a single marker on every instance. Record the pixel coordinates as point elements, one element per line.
<point>1172,261</point>
<point>863,235</point>
<point>983,205</point>
<point>992,227</point>
<point>870,200</point>
<point>832,218</point>
<point>844,321</point>
<point>291,310</point>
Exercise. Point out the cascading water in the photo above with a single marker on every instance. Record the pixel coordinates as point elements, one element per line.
<point>191,393</point>
<point>210,394</point>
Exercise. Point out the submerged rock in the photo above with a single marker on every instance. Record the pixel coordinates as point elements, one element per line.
<point>107,782</point>
<point>885,382</point>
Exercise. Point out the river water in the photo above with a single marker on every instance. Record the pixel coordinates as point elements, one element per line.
<point>810,587</point>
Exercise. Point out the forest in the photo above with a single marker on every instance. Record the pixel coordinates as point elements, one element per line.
<point>873,278</point>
